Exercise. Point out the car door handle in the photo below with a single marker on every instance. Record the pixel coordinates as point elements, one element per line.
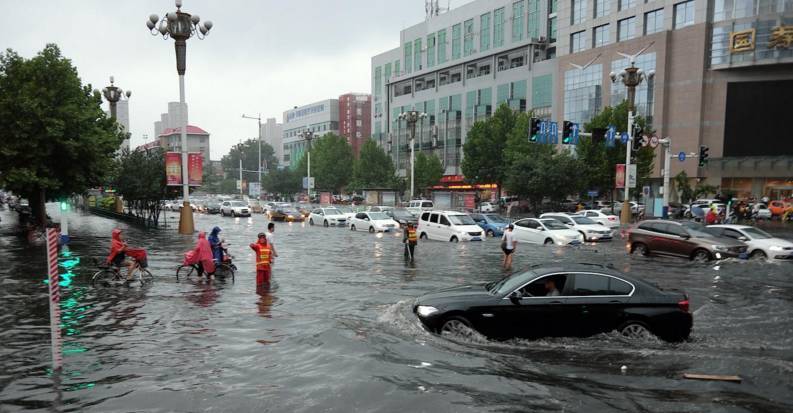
<point>615,302</point>
<point>555,302</point>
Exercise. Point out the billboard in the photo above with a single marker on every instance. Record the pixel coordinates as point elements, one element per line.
<point>173,168</point>
<point>619,177</point>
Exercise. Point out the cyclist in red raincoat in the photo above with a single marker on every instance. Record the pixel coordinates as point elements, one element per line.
<point>118,256</point>
<point>201,255</point>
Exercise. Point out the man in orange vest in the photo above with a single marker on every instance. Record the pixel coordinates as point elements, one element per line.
<point>410,239</point>
<point>264,259</point>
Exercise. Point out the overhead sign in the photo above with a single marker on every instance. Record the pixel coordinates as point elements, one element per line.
<point>592,193</point>
<point>681,156</point>
<point>610,135</point>
<point>631,173</point>
<point>553,131</point>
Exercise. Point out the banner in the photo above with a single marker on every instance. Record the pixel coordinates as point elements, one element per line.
<point>254,190</point>
<point>195,169</point>
<point>173,168</point>
<point>631,175</point>
<point>619,177</point>
<point>324,198</point>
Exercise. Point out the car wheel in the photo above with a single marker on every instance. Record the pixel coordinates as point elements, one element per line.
<point>423,236</point>
<point>758,255</point>
<point>640,248</point>
<point>490,233</point>
<point>371,230</point>
<point>233,214</point>
<point>548,241</point>
<point>352,227</point>
<point>310,222</point>
<point>583,235</point>
<point>635,330</point>
<point>701,255</point>
<point>457,326</point>
<point>454,239</point>
<point>325,224</point>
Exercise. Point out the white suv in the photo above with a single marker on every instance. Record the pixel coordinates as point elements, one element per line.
<point>417,206</point>
<point>448,226</point>
<point>327,217</point>
<point>234,209</point>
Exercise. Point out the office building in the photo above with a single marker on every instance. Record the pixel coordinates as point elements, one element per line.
<point>168,132</point>
<point>272,134</point>
<point>355,119</point>
<point>320,118</point>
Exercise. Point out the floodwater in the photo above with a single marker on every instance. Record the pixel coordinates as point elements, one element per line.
<point>336,333</point>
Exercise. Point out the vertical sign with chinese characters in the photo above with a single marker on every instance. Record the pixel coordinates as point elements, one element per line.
<point>173,168</point>
<point>195,168</point>
<point>619,177</point>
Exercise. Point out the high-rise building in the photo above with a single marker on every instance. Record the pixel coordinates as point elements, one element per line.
<point>168,133</point>
<point>723,78</point>
<point>355,119</point>
<point>320,118</point>
<point>122,117</point>
<point>272,133</point>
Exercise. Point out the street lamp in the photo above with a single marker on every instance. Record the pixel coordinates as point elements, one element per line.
<point>258,118</point>
<point>113,94</point>
<point>412,117</point>
<point>631,77</point>
<point>308,136</point>
<point>181,26</point>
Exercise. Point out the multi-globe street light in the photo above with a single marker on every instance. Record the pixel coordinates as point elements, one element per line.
<point>113,94</point>
<point>308,136</point>
<point>181,26</point>
<point>631,77</point>
<point>412,117</point>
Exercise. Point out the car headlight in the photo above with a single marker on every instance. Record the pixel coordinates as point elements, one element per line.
<point>720,248</point>
<point>776,248</point>
<point>426,310</point>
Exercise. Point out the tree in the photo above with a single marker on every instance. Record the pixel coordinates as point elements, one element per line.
<point>140,179</point>
<point>484,148</point>
<point>331,162</point>
<point>249,151</point>
<point>429,171</point>
<point>373,169</point>
<point>284,182</point>
<point>55,140</point>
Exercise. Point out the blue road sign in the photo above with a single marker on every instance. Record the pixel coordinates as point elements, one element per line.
<point>610,134</point>
<point>554,133</point>
<point>681,156</point>
<point>592,194</point>
<point>543,131</point>
<point>575,134</point>
<point>624,138</point>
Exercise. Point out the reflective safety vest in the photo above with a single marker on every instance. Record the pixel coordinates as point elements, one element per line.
<point>412,238</point>
<point>263,257</point>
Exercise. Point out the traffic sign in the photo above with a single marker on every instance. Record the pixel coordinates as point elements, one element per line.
<point>575,134</point>
<point>624,138</point>
<point>645,140</point>
<point>681,156</point>
<point>308,183</point>
<point>554,132</point>
<point>592,193</point>
<point>654,141</point>
<point>612,131</point>
<point>543,131</point>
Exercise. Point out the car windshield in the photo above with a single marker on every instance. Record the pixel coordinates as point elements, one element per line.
<point>289,211</point>
<point>332,211</point>
<point>378,216</point>
<point>461,220</point>
<point>553,224</point>
<point>345,210</point>
<point>583,221</point>
<point>509,283</point>
<point>756,233</point>
<point>402,213</point>
<point>497,219</point>
<point>213,204</point>
<point>238,204</point>
<point>695,229</point>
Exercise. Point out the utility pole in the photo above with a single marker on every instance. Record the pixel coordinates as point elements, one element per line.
<point>667,143</point>
<point>411,117</point>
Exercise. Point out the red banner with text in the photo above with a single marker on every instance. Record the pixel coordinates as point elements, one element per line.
<point>619,178</point>
<point>173,168</point>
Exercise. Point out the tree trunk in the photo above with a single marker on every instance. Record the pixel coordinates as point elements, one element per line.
<point>38,207</point>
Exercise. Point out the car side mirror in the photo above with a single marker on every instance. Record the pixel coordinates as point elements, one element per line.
<point>569,225</point>
<point>540,229</point>
<point>743,239</point>
<point>685,236</point>
<point>515,297</point>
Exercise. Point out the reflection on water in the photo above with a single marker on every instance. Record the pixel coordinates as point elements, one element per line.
<point>335,330</point>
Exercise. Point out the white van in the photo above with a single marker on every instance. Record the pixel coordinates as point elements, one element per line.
<point>417,206</point>
<point>448,226</point>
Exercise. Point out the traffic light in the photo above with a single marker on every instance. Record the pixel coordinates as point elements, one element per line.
<point>567,133</point>
<point>534,130</point>
<point>703,155</point>
<point>636,143</point>
<point>64,206</point>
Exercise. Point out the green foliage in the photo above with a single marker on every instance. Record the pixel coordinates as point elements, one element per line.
<point>108,202</point>
<point>429,171</point>
<point>331,162</point>
<point>249,151</point>
<point>55,140</point>
<point>140,179</point>
<point>483,160</point>
<point>373,169</point>
<point>683,187</point>
<point>284,181</point>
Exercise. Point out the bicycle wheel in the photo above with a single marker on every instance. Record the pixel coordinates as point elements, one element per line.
<point>145,276</point>
<point>103,277</point>
<point>185,271</point>
<point>224,271</point>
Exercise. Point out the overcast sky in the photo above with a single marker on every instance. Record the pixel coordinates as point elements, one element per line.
<point>261,56</point>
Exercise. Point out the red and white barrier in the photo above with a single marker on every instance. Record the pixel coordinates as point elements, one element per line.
<point>55,299</point>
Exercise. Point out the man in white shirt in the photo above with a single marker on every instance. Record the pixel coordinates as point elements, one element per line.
<point>508,244</point>
<point>271,237</point>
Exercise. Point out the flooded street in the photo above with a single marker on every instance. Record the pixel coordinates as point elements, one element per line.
<point>336,331</point>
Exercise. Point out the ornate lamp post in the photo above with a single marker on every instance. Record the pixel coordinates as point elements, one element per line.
<point>113,94</point>
<point>308,136</point>
<point>412,117</point>
<point>181,26</point>
<point>631,77</point>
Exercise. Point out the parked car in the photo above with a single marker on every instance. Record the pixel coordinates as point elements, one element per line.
<point>545,231</point>
<point>778,208</point>
<point>403,217</point>
<point>486,207</point>
<point>373,222</point>
<point>636,207</point>
<point>304,209</point>
<point>448,226</point>
<point>492,224</point>
<point>587,300</point>
<point>327,217</point>
<point>380,208</point>
<point>589,229</point>
<point>234,209</point>
<point>255,206</point>
<point>761,245</point>
<point>608,220</point>
<point>682,239</point>
<point>348,212</point>
<point>213,207</point>
<point>761,211</point>
<point>417,206</point>
<point>286,214</point>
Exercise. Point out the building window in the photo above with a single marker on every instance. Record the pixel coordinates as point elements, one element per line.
<point>552,29</point>
<point>626,29</point>
<point>408,57</point>
<point>442,46</point>
<point>517,21</point>
<point>577,41</point>
<point>578,12</point>
<point>644,92</point>
<point>542,91</point>
<point>600,35</point>
<point>653,21</point>
<point>378,82</point>
<point>553,6</point>
<point>736,9</point>
<point>417,55</point>
<point>684,14</point>
<point>431,50</point>
<point>626,4</point>
<point>498,27</point>
<point>484,32</point>
<point>602,8</point>
<point>533,22</point>
<point>468,43</point>
<point>456,41</point>
<point>583,93</point>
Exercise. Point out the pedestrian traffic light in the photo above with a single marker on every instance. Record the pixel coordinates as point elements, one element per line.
<point>703,155</point>
<point>636,143</point>
<point>567,132</point>
<point>534,130</point>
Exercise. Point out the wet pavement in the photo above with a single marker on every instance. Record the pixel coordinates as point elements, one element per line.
<point>335,332</point>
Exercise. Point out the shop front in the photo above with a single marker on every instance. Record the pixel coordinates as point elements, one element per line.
<point>452,192</point>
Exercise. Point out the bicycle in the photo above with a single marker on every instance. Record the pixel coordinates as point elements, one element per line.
<point>224,270</point>
<point>111,275</point>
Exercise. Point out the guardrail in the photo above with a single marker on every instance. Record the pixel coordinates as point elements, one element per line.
<point>132,219</point>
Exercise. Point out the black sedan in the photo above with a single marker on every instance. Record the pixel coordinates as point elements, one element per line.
<point>574,300</point>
